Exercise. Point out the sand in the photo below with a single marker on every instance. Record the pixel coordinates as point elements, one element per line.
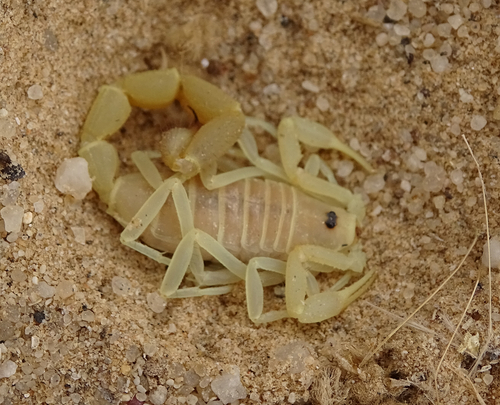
<point>68,337</point>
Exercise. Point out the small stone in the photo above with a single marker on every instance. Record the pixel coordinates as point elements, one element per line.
<point>27,218</point>
<point>345,168</point>
<point>495,253</point>
<point>228,388</point>
<point>7,369</point>
<point>401,30</point>
<point>156,303</point>
<point>120,285</point>
<point>13,218</point>
<point>45,290</point>
<point>457,177</point>
<point>478,122</point>
<point>417,8</point>
<point>267,7</point>
<point>486,3</point>
<point>64,289</point>
<point>322,104</point>
<point>488,379</point>
<point>397,10</point>
<point>382,39</point>
<point>35,92</point>
<point>455,21</point>
<point>88,316</point>
<point>79,234</point>
<point>191,378</point>
<point>159,396</point>
<point>429,40</point>
<point>72,177</point>
<point>132,353</point>
<point>376,13</point>
<point>465,97</point>
<point>150,349</point>
<point>444,30</point>
<point>39,206</point>
<point>374,183</point>
<point>440,64</point>
<point>309,86</point>
<point>18,276</point>
<point>405,185</point>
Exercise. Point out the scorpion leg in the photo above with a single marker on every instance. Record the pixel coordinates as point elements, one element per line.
<point>300,282</point>
<point>255,291</point>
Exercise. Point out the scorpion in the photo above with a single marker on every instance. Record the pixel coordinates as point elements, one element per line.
<point>265,224</point>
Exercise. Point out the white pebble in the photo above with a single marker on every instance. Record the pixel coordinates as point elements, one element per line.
<point>267,7</point>
<point>486,3</point>
<point>120,285</point>
<point>455,129</point>
<point>397,10</point>
<point>13,218</point>
<point>45,290</point>
<point>420,154</point>
<point>405,185</point>
<point>322,104</point>
<point>440,64</point>
<point>72,177</point>
<point>401,30</point>
<point>465,97</point>
<point>457,177</point>
<point>444,30</point>
<point>345,168</point>
<point>309,86</point>
<point>488,379</point>
<point>79,234</point>
<point>478,122</point>
<point>382,39</point>
<point>88,316</point>
<point>7,369</point>
<point>429,40</point>
<point>228,388</point>
<point>64,289</point>
<point>27,218</point>
<point>374,183</point>
<point>495,253</point>
<point>35,92</point>
<point>156,303</point>
<point>417,8</point>
<point>39,206</point>
<point>455,21</point>
<point>159,396</point>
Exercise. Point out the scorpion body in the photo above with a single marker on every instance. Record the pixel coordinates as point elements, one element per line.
<point>251,217</point>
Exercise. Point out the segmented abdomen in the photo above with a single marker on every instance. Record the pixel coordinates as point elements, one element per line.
<point>251,217</point>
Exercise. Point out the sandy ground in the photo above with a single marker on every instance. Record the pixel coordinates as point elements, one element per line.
<point>323,60</point>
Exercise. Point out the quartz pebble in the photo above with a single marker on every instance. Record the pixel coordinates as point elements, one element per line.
<point>11,193</point>
<point>397,10</point>
<point>455,21</point>
<point>13,218</point>
<point>45,290</point>
<point>374,183</point>
<point>439,63</point>
<point>417,8</point>
<point>228,388</point>
<point>495,253</point>
<point>345,168</point>
<point>64,289</point>
<point>7,369</point>
<point>156,303</point>
<point>72,177</point>
<point>120,285</point>
<point>267,7</point>
<point>35,92</point>
<point>478,122</point>
<point>79,234</point>
<point>159,395</point>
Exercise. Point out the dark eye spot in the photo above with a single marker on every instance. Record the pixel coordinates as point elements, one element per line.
<point>331,220</point>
